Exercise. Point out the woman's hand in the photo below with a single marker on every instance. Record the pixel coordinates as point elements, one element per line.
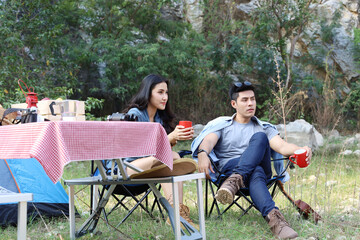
<point>181,133</point>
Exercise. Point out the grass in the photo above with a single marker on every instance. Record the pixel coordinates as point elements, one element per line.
<point>330,185</point>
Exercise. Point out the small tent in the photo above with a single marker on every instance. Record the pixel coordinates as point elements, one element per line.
<point>28,176</point>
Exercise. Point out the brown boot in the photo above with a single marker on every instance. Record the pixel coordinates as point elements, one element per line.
<point>227,191</point>
<point>278,225</point>
<point>185,214</point>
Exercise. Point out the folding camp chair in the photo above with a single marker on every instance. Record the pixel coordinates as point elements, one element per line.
<point>122,193</point>
<point>215,183</point>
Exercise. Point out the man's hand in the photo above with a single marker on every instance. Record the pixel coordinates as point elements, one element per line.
<point>308,154</point>
<point>204,164</point>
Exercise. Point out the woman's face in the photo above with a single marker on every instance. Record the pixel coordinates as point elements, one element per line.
<point>159,96</point>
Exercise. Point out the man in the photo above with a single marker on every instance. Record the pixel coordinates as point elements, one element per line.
<point>240,147</point>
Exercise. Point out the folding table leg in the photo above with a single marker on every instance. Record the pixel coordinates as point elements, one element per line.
<point>175,191</point>
<point>90,224</point>
<point>22,219</point>
<point>72,212</point>
<point>189,232</point>
<point>201,208</point>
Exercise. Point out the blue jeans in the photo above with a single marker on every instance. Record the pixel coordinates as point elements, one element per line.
<point>254,166</point>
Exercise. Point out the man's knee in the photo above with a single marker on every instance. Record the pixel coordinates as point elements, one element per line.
<point>259,138</point>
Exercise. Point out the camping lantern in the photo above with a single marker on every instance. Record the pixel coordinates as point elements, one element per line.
<point>31,97</point>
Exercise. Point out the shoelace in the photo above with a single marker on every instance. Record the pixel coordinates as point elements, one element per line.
<point>235,182</point>
<point>280,221</point>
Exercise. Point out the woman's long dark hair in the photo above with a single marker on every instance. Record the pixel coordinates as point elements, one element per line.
<point>142,98</point>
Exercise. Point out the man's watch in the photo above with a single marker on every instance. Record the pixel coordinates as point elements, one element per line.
<point>202,150</point>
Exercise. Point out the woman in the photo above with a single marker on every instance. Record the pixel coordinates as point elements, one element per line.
<point>150,104</point>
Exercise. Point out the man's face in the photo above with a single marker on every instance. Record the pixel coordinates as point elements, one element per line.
<point>245,104</point>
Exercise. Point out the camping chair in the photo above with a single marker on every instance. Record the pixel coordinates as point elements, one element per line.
<point>122,193</point>
<point>215,183</point>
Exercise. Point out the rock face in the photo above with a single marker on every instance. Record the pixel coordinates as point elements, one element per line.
<point>301,133</point>
<point>343,35</point>
<point>194,13</point>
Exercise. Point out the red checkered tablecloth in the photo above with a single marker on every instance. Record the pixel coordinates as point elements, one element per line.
<point>55,144</point>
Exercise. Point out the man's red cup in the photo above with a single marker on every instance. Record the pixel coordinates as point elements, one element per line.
<point>299,158</point>
<point>186,124</point>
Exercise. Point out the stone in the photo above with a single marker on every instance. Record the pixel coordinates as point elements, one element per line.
<point>197,129</point>
<point>357,152</point>
<point>194,13</point>
<point>350,141</point>
<point>333,135</point>
<point>302,134</point>
<point>346,152</point>
<point>357,136</point>
<point>310,41</point>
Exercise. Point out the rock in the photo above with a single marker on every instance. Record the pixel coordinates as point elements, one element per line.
<point>333,135</point>
<point>357,152</point>
<point>341,45</point>
<point>194,13</point>
<point>174,12</point>
<point>197,129</point>
<point>357,136</point>
<point>301,133</point>
<point>346,152</point>
<point>350,141</point>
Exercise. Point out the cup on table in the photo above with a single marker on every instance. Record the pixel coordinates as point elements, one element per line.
<point>299,158</point>
<point>186,124</point>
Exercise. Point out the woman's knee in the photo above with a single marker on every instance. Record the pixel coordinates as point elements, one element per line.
<point>175,155</point>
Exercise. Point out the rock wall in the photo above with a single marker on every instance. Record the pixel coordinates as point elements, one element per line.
<point>193,11</point>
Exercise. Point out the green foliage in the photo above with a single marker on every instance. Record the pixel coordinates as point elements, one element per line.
<point>34,49</point>
<point>102,49</point>
<point>91,105</point>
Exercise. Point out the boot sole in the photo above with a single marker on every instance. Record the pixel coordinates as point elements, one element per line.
<point>224,196</point>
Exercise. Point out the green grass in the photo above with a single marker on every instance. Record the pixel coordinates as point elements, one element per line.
<point>330,185</point>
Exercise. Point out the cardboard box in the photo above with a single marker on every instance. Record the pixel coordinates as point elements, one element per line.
<point>58,117</point>
<point>44,108</point>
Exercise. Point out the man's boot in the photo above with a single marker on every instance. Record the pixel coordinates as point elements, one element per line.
<point>227,191</point>
<point>278,225</point>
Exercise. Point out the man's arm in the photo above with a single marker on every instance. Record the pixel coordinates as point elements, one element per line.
<point>208,143</point>
<point>287,149</point>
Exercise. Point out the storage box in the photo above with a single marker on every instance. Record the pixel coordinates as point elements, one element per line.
<point>44,109</point>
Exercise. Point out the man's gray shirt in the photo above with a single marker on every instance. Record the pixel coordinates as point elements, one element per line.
<point>234,139</point>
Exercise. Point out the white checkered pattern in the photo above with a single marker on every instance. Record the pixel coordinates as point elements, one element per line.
<point>55,144</point>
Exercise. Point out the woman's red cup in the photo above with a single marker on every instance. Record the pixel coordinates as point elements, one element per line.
<point>186,124</point>
<point>299,158</point>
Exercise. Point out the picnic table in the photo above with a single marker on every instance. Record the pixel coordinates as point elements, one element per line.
<point>56,144</point>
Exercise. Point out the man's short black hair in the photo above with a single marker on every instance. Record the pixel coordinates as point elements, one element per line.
<point>237,87</point>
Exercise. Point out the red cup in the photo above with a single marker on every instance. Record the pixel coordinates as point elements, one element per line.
<point>299,158</point>
<point>186,124</point>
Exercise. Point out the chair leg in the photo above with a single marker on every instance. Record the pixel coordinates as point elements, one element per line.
<point>214,203</point>
<point>138,203</point>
